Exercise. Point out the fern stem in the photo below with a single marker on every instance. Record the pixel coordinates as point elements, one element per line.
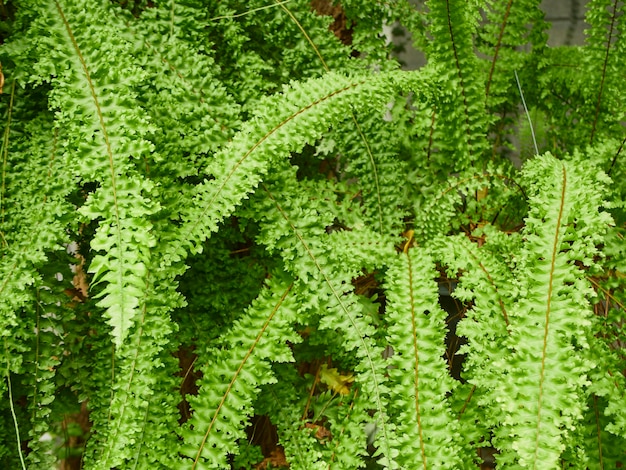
<point>366,347</point>
<point>460,75</point>
<point>5,150</point>
<point>38,308</point>
<point>497,49</point>
<point>368,148</point>
<point>530,123</point>
<point>431,132</point>
<point>417,359</point>
<point>549,301</point>
<point>493,285</point>
<point>619,150</point>
<point>237,373</point>
<point>308,38</point>
<point>15,423</point>
<point>311,392</point>
<point>466,402</point>
<point>608,294</point>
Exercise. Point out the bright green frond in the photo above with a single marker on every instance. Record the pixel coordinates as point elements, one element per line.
<point>417,370</point>
<point>236,369</point>
<point>550,319</point>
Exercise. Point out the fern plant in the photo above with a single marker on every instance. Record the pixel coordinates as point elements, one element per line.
<point>239,235</point>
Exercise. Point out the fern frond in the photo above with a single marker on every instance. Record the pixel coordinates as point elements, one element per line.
<point>460,105</point>
<point>296,225</point>
<point>416,329</point>
<point>282,124</point>
<point>607,44</point>
<point>370,147</point>
<point>487,287</point>
<point>485,279</point>
<point>33,224</point>
<point>43,362</point>
<point>187,103</point>
<point>581,91</point>
<point>33,315</point>
<point>548,364</point>
<point>462,203</point>
<point>142,408</point>
<point>608,385</point>
<point>349,442</point>
<point>103,132</point>
<point>511,25</point>
<point>592,445</point>
<point>235,370</point>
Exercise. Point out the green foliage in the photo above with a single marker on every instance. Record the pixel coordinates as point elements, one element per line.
<point>231,233</point>
<point>417,367</point>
